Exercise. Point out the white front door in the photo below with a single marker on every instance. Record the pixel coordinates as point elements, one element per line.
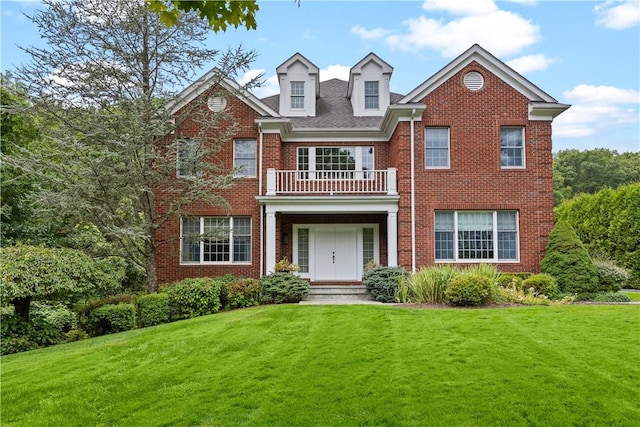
<point>335,253</point>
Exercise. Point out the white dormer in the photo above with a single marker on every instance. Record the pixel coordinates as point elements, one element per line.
<point>299,87</point>
<point>368,87</point>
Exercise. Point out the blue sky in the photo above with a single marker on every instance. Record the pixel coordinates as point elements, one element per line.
<point>584,53</point>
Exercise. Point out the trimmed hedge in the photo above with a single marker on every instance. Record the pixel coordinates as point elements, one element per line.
<point>468,290</point>
<point>112,318</point>
<point>542,284</point>
<point>242,293</point>
<point>153,309</point>
<point>194,297</point>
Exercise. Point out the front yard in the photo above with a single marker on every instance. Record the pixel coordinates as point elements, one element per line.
<point>342,365</point>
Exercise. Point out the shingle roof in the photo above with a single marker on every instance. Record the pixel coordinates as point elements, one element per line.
<point>333,109</point>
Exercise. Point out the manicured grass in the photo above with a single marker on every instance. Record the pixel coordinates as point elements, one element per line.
<point>342,365</point>
<point>633,296</point>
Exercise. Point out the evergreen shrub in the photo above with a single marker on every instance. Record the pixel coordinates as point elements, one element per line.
<point>611,277</point>
<point>544,284</point>
<point>242,293</point>
<point>153,309</point>
<point>568,261</point>
<point>194,297</point>
<point>382,283</point>
<point>280,288</point>
<point>111,318</point>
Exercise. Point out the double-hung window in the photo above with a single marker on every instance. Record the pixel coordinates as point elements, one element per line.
<point>211,240</point>
<point>467,236</point>
<point>297,95</point>
<point>189,155</point>
<point>371,95</point>
<point>512,147</point>
<point>437,147</point>
<point>244,157</point>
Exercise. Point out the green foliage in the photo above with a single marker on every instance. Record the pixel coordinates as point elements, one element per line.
<point>242,293</point>
<point>611,297</point>
<point>280,288</point>
<point>544,284</point>
<point>427,285</point>
<point>34,272</point>
<point>587,172</point>
<point>19,335</point>
<point>488,271</point>
<point>194,297</point>
<point>510,294</point>
<point>568,261</point>
<point>112,318</point>
<point>76,334</point>
<point>511,280</point>
<point>611,277</point>
<point>57,315</point>
<point>153,309</point>
<point>468,290</point>
<point>607,223</point>
<point>218,13</point>
<point>382,283</point>
<point>284,266</point>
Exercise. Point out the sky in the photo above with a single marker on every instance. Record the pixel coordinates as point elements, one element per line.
<point>583,53</point>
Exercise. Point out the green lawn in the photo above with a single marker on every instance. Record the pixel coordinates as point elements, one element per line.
<point>634,296</point>
<point>342,365</point>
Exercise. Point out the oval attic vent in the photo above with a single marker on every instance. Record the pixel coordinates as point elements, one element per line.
<point>473,81</point>
<point>216,103</point>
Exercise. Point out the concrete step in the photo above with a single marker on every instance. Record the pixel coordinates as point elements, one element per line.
<point>338,292</point>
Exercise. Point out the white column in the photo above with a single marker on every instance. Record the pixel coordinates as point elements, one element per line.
<point>271,182</point>
<point>270,243</point>
<point>392,182</point>
<point>392,238</point>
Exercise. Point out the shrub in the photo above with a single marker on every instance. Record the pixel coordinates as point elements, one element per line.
<point>57,315</point>
<point>612,297</point>
<point>568,261</point>
<point>278,288</point>
<point>194,297</point>
<point>511,280</point>
<point>242,293</point>
<point>76,334</point>
<point>468,290</point>
<point>112,318</point>
<point>382,282</point>
<point>488,271</point>
<point>284,266</point>
<point>542,284</point>
<point>427,285</point>
<point>153,309</point>
<point>611,277</point>
<point>18,335</point>
<point>512,295</point>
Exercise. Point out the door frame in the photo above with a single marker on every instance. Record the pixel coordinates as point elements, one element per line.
<point>311,274</point>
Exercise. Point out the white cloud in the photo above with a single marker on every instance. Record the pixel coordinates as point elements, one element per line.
<point>596,110</point>
<point>500,32</point>
<point>374,34</point>
<point>618,15</point>
<point>269,85</point>
<point>335,72</point>
<point>529,63</point>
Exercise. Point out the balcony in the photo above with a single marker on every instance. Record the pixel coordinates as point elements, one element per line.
<point>292,182</point>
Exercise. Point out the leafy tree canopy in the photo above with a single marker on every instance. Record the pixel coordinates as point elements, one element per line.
<point>219,14</point>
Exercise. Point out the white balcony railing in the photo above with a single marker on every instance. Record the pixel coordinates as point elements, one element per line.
<point>290,182</point>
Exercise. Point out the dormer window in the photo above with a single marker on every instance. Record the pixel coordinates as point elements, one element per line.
<point>371,95</point>
<point>297,95</point>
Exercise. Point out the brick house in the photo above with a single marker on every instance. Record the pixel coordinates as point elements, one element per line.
<point>338,174</point>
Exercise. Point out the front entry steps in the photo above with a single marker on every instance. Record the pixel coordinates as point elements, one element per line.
<point>338,294</point>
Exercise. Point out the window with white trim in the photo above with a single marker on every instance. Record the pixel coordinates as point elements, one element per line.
<point>212,240</point>
<point>476,235</point>
<point>437,147</point>
<point>244,157</point>
<point>189,153</point>
<point>371,95</point>
<point>297,95</point>
<point>335,162</point>
<point>512,147</point>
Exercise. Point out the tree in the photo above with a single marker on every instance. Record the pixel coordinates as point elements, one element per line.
<point>569,262</point>
<point>104,79</point>
<point>218,13</point>
<point>37,273</point>
<point>576,172</point>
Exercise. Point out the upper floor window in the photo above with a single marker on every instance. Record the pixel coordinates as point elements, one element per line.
<point>215,240</point>
<point>297,95</point>
<point>335,162</point>
<point>244,157</point>
<point>512,147</point>
<point>189,155</point>
<point>437,147</point>
<point>476,235</point>
<point>371,95</point>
